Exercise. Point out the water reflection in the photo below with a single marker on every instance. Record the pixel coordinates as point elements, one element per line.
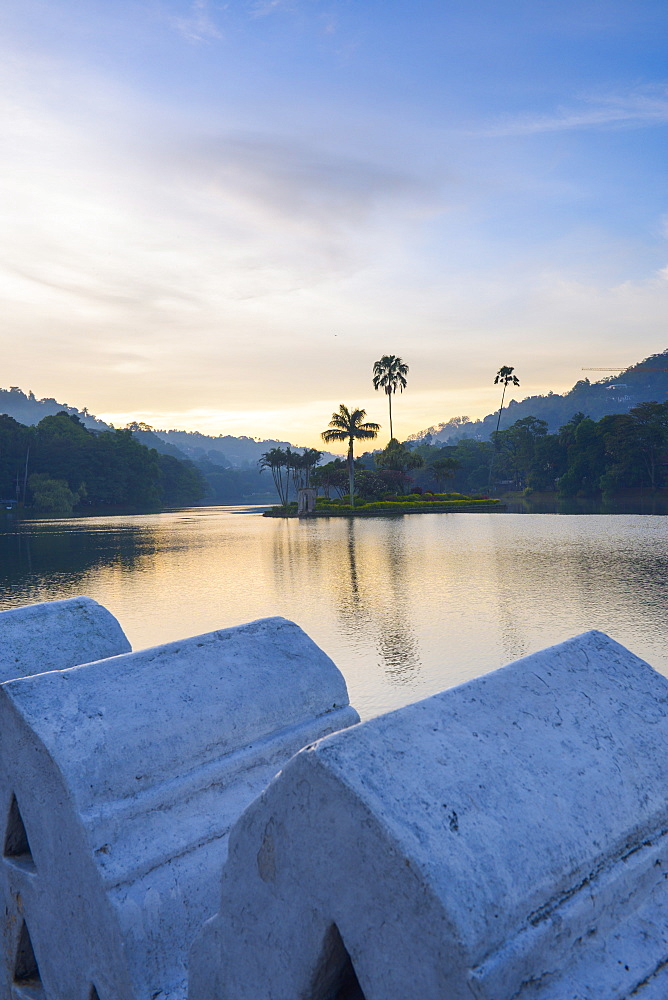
<point>405,606</point>
<point>57,557</point>
<point>382,609</point>
<point>362,581</point>
<point>633,502</point>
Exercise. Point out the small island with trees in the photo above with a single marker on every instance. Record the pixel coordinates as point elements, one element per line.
<point>387,489</point>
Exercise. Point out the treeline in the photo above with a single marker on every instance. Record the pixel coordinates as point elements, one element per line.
<point>58,465</point>
<point>583,458</point>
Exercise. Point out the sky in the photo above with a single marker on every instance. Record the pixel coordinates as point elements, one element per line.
<point>216,216</point>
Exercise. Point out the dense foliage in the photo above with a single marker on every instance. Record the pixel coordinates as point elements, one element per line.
<point>415,503</point>
<point>59,464</point>
<point>227,463</point>
<point>584,458</point>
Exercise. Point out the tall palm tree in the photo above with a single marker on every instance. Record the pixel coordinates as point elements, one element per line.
<point>390,374</point>
<point>347,425</point>
<point>505,377</point>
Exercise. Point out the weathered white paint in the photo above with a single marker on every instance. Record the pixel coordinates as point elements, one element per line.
<point>127,774</point>
<point>504,840</point>
<point>57,634</point>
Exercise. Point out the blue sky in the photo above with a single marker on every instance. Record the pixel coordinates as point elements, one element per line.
<point>218,215</point>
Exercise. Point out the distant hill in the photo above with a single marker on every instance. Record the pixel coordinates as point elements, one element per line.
<point>641,383</point>
<point>27,409</point>
<point>226,450</point>
<point>229,464</point>
<point>223,450</point>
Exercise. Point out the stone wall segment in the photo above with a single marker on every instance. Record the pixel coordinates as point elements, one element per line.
<point>53,635</point>
<point>503,840</point>
<point>120,780</point>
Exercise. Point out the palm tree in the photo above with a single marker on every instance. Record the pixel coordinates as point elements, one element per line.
<point>302,465</point>
<point>276,460</point>
<point>347,425</point>
<point>390,374</point>
<point>310,458</point>
<point>505,377</point>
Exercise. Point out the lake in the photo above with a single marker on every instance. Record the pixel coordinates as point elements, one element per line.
<point>405,606</point>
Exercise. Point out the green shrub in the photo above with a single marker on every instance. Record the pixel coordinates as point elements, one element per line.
<point>51,496</point>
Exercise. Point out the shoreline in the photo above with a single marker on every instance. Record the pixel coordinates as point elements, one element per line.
<point>394,509</point>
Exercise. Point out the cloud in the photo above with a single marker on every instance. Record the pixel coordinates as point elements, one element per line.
<point>296,182</point>
<point>111,206</point>
<point>631,110</point>
<point>198,26</point>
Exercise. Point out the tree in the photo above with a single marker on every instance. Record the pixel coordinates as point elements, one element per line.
<point>181,483</point>
<point>396,457</point>
<point>374,485</point>
<point>650,424</point>
<point>517,447</point>
<point>348,425</point>
<point>276,460</point>
<point>51,496</point>
<point>443,468</point>
<point>586,460</point>
<point>505,377</point>
<point>329,475</point>
<point>302,466</point>
<point>390,374</point>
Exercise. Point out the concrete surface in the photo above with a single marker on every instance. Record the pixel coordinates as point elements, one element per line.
<point>503,840</point>
<point>120,779</point>
<point>53,635</point>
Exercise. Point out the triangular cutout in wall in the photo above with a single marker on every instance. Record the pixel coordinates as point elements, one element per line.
<point>26,970</point>
<point>335,977</point>
<point>17,847</point>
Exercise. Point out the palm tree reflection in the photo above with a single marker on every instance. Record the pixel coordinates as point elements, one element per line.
<point>373,604</point>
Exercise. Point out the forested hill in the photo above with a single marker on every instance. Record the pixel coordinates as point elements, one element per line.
<point>223,450</point>
<point>228,464</point>
<point>641,383</point>
<point>27,409</point>
<point>59,465</point>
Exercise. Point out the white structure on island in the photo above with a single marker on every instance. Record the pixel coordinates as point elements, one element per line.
<point>57,634</point>
<point>504,839</point>
<point>119,781</point>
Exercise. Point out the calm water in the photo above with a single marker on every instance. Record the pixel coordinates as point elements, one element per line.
<point>404,606</point>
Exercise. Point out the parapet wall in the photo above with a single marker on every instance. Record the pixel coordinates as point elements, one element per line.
<point>57,634</point>
<point>120,780</point>
<point>504,840</point>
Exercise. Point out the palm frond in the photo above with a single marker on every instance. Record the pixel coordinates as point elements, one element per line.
<point>334,435</point>
<point>389,373</point>
<point>346,425</point>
